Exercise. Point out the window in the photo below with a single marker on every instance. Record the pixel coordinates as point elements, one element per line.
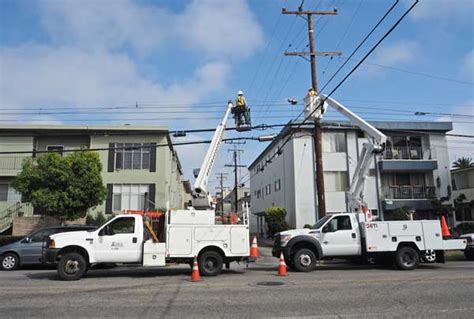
<point>132,156</point>
<point>129,196</point>
<point>335,181</point>
<point>259,193</point>
<point>464,213</point>
<point>340,223</point>
<point>334,142</point>
<point>123,225</point>
<point>277,185</point>
<point>374,212</point>
<point>56,148</point>
<point>39,236</point>
<point>268,189</point>
<point>3,192</point>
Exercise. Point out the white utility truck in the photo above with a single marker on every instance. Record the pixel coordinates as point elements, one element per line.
<point>183,235</point>
<point>354,234</point>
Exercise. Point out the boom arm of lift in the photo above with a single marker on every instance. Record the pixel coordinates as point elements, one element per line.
<point>201,198</point>
<point>375,145</point>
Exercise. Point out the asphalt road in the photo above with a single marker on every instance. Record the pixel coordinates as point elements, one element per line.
<point>335,290</point>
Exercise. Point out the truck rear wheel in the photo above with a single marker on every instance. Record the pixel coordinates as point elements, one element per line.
<point>407,258</point>
<point>210,263</point>
<point>304,260</point>
<point>72,266</point>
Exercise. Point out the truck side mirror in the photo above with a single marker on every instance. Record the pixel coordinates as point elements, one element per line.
<point>327,228</point>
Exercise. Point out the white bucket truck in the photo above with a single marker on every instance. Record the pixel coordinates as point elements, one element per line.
<point>354,234</point>
<point>183,234</point>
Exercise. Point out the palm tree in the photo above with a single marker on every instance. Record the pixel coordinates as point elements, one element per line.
<point>463,162</point>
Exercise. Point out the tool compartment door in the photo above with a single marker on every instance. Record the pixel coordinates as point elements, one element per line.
<point>179,240</point>
<point>376,236</point>
<point>154,254</point>
<point>432,235</point>
<point>239,241</point>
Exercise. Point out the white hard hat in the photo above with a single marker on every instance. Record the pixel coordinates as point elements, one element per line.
<point>240,93</point>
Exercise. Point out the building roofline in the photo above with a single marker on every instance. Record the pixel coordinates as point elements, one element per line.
<point>438,127</point>
<point>460,170</point>
<point>13,129</point>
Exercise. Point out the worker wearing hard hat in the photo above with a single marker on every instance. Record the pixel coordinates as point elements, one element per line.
<point>241,108</point>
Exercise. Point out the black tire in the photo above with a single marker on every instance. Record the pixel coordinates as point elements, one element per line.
<point>10,261</point>
<point>469,255</point>
<point>407,258</point>
<point>289,263</point>
<point>72,266</point>
<point>304,260</point>
<point>210,263</point>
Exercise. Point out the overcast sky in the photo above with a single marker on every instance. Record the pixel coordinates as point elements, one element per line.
<point>195,55</point>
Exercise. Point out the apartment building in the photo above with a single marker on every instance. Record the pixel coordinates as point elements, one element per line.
<point>413,170</point>
<point>128,174</point>
<point>463,195</point>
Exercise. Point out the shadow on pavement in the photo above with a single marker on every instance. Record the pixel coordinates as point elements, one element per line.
<point>130,272</point>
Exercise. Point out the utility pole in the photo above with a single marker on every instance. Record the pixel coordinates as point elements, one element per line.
<point>221,177</point>
<point>314,84</point>
<point>236,177</point>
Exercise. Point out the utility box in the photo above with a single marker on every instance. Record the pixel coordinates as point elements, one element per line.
<point>154,254</point>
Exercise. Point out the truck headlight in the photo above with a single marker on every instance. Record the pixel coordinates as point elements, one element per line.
<point>52,244</point>
<point>285,238</point>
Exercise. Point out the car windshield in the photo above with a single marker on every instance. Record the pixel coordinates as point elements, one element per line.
<point>321,222</point>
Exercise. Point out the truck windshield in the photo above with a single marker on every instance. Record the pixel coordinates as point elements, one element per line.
<point>321,222</point>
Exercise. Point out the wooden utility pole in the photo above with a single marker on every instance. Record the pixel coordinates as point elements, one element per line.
<point>221,176</point>
<point>314,83</point>
<point>236,177</point>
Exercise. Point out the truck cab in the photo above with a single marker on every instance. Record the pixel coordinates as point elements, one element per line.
<point>332,236</point>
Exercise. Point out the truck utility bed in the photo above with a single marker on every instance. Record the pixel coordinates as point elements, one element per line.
<point>426,234</point>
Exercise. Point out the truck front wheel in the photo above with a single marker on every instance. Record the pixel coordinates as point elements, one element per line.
<point>304,260</point>
<point>72,266</point>
<point>407,258</point>
<point>210,263</point>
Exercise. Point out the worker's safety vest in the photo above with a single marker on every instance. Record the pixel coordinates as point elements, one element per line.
<point>240,101</point>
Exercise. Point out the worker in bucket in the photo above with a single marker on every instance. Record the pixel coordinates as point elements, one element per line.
<point>311,92</point>
<point>241,108</point>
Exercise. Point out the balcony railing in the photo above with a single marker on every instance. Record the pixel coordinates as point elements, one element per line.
<point>11,163</point>
<point>407,153</point>
<point>409,192</point>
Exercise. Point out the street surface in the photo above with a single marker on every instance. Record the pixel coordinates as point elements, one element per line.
<point>335,290</point>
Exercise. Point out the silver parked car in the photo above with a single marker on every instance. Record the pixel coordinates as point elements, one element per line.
<point>28,251</point>
<point>469,251</point>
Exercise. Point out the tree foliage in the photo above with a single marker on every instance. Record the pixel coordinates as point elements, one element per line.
<point>463,162</point>
<point>275,219</point>
<point>62,187</point>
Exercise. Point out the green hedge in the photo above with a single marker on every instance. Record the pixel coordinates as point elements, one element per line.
<point>4,240</point>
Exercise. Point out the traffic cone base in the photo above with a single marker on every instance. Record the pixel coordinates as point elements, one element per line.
<point>195,276</point>
<point>254,248</point>
<point>282,268</point>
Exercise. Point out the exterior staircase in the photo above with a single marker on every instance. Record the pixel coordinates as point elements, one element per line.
<point>7,215</point>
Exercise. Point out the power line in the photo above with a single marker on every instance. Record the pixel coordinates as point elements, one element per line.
<point>362,43</point>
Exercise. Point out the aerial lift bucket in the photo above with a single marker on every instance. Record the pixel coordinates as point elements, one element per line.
<point>240,126</point>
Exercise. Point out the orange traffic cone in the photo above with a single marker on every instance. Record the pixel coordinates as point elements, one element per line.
<point>195,276</point>
<point>282,268</point>
<point>444,227</point>
<point>254,249</point>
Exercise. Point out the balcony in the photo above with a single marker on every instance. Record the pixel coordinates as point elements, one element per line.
<point>406,158</point>
<point>11,165</point>
<point>408,153</point>
<point>412,196</point>
<point>410,192</point>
